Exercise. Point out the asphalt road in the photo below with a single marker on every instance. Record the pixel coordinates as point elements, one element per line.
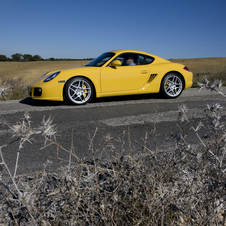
<point>125,119</point>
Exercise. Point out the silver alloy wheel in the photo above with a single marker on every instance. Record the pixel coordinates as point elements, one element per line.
<point>79,91</point>
<point>172,85</point>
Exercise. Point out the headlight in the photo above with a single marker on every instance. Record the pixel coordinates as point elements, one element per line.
<point>52,76</point>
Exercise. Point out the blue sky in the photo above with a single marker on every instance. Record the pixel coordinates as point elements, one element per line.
<point>86,28</point>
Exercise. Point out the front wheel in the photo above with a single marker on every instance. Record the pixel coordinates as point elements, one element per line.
<point>172,85</point>
<point>79,90</point>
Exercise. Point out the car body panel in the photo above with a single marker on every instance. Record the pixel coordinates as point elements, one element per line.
<point>124,78</point>
<point>113,81</point>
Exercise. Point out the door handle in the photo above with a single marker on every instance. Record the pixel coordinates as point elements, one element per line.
<point>144,72</point>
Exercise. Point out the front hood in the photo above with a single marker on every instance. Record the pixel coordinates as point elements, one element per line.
<point>75,68</point>
<point>66,74</point>
<point>72,68</point>
<point>79,68</point>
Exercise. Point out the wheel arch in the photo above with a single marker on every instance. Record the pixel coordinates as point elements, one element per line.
<point>175,72</point>
<point>81,76</point>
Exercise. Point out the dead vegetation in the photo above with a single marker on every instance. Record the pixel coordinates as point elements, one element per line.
<point>182,185</point>
<point>15,76</point>
<point>13,88</point>
<point>30,71</point>
<point>211,68</point>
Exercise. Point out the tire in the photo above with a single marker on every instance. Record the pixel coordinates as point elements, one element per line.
<point>79,91</point>
<point>172,85</point>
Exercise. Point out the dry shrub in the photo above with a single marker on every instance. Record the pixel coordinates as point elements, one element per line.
<point>180,185</point>
<point>211,76</point>
<point>183,185</point>
<point>15,88</point>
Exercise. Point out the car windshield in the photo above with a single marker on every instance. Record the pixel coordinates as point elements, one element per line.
<point>101,60</point>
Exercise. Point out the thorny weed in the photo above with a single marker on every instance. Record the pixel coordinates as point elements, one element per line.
<point>4,88</point>
<point>215,86</point>
<point>183,185</point>
<point>13,88</point>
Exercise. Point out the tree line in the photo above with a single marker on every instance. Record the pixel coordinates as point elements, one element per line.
<point>28,57</point>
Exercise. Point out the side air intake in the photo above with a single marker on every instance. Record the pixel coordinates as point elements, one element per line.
<point>152,76</point>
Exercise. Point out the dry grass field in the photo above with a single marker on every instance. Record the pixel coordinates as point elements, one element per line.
<point>204,65</point>
<point>33,70</point>
<point>212,68</point>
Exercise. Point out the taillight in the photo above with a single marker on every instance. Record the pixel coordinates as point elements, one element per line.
<point>186,68</point>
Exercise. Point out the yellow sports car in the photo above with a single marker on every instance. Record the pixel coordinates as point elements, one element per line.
<point>114,73</point>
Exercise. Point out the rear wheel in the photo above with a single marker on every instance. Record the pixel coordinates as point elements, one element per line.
<point>79,90</point>
<point>172,85</point>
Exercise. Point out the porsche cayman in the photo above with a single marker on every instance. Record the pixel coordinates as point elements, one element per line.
<point>114,73</point>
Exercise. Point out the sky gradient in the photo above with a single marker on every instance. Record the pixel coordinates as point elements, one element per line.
<point>86,28</point>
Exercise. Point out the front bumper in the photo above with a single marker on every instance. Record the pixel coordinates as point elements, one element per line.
<point>46,91</point>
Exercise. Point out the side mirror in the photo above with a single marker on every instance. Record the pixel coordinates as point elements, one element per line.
<point>115,63</point>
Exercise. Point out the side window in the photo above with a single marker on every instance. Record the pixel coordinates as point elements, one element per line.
<point>141,60</point>
<point>131,59</point>
<point>128,59</point>
<point>149,60</point>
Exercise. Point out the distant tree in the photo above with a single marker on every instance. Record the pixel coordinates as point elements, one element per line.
<point>17,57</point>
<point>36,58</point>
<point>3,58</point>
<point>52,58</point>
<point>27,57</point>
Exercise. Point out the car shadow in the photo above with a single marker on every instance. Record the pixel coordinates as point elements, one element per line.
<point>127,98</point>
<point>41,103</point>
<point>44,103</point>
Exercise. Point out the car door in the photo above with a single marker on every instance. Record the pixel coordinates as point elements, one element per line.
<point>125,77</point>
